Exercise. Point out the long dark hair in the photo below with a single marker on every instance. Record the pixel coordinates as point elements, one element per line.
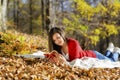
<point>52,45</point>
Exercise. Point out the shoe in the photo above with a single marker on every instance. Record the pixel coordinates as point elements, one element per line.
<point>117,50</point>
<point>110,47</point>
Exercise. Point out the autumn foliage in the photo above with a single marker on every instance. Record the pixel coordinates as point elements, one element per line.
<point>94,23</point>
<point>13,42</point>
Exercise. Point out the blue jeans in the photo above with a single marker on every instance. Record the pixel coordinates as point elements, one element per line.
<point>114,55</point>
<point>109,56</point>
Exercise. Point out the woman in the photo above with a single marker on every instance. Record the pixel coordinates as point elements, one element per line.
<point>71,49</point>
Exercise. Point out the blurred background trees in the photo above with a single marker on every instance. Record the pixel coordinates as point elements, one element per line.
<point>94,23</point>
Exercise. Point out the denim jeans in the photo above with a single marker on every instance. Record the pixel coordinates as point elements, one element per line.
<point>109,56</point>
<point>114,55</point>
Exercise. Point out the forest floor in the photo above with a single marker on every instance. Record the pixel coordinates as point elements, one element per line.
<point>19,68</point>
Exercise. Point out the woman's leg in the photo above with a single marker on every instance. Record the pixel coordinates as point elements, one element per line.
<point>101,56</point>
<point>115,56</point>
<point>116,53</point>
<point>109,50</point>
<point>108,54</point>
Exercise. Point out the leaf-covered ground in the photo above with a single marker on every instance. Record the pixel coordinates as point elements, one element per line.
<point>18,68</point>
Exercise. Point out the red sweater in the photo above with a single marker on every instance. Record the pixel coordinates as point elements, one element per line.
<point>75,50</point>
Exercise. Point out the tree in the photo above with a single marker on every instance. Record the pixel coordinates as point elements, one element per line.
<point>47,20</point>
<point>0,15</point>
<point>94,23</point>
<point>16,12</point>
<point>3,15</point>
<point>30,5</point>
<point>43,14</point>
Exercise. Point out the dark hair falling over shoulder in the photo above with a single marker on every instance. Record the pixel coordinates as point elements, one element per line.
<point>52,45</point>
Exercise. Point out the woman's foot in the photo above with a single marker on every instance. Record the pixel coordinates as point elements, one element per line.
<point>116,50</point>
<point>110,47</point>
<point>116,53</point>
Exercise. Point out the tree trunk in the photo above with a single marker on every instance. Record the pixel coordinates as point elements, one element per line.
<point>17,14</point>
<point>47,20</point>
<point>3,15</point>
<point>0,15</point>
<point>30,6</point>
<point>43,15</point>
<point>14,13</point>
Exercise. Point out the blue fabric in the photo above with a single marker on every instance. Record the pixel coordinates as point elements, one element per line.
<point>108,53</point>
<point>115,56</point>
<point>111,55</point>
<point>101,56</point>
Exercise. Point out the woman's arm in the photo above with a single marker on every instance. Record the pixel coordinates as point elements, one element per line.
<point>74,49</point>
<point>55,57</point>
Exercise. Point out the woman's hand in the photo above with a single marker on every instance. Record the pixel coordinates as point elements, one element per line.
<point>56,58</point>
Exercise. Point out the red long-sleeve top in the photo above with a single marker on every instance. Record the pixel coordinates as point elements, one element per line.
<point>75,51</point>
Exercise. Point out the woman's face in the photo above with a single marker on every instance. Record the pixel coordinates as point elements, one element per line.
<point>58,40</point>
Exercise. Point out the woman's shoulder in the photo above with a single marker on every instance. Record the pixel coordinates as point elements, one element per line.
<point>72,43</point>
<point>71,40</point>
